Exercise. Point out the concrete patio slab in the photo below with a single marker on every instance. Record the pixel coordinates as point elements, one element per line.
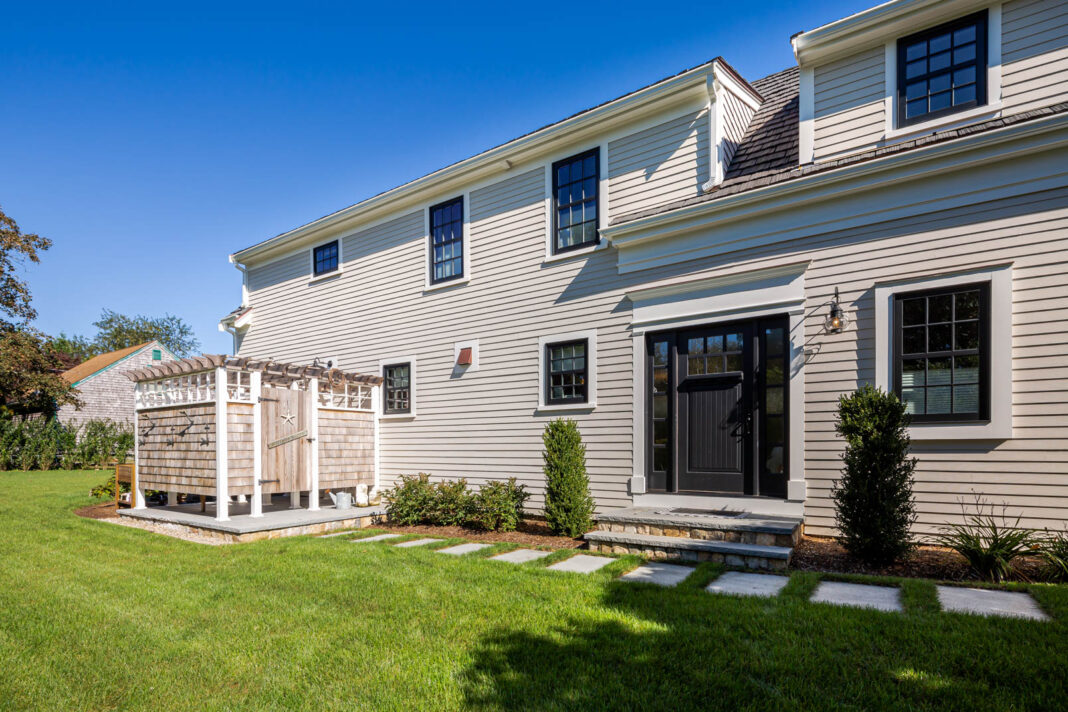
<point>582,564</point>
<point>521,556</point>
<point>416,542</point>
<point>858,595</point>
<point>376,537</point>
<point>984,602</point>
<point>736,583</point>
<point>461,549</point>
<point>666,575</point>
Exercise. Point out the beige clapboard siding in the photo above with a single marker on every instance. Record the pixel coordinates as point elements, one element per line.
<point>736,116</point>
<point>482,425</point>
<point>660,164</point>
<point>1030,471</point>
<point>1034,54</point>
<point>848,103</point>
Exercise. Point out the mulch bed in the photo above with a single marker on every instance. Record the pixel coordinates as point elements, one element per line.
<point>827,555</point>
<point>98,511</point>
<point>530,533</point>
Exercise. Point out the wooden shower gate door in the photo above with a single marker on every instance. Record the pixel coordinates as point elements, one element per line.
<point>287,439</point>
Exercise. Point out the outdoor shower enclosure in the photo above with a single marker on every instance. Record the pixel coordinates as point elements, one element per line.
<point>224,426</point>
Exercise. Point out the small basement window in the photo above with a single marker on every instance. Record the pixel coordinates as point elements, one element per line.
<point>942,70</point>
<point>942,354</point>
<point>325,259</point>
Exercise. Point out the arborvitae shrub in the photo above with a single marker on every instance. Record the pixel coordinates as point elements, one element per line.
<point>874,509</point>
<point>568,504</point>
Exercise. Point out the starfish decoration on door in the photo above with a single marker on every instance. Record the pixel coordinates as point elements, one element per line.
<point>288,417</point>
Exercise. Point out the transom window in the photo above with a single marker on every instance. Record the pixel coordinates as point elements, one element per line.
<point>447,241</point>
<point>709,355</point>
<point>942,70</point>
<point>397,389</point>
<point>324,258</point>
<point>575,186</point>
<point>941,349</point>
<point>567,372</point>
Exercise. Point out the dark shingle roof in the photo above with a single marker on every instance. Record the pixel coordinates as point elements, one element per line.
<point>768,153</point>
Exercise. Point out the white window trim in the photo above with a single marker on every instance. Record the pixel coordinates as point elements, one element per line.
<point>602,203</point>
<point>990,110</point>
<point>590,335</point>
<point>999,427</point>
<point>392,361</point>
<point>465,237</point>
<point>314,278</point>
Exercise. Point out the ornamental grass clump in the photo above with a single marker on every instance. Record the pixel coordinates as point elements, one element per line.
<point>873,502</point>
<point>568,504</point>
<point>989,540</point>
<point>1055,552</point>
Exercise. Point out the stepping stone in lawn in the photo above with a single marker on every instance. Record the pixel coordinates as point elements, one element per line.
<point>521,556</point>
<point>985,602</point>
<point>582,564</point>
<point>736,583</point>
<point>858,595</point>
<point>376,537</point>
<point>416,542</point>
<point>661,574</point>
<point>462,549</point>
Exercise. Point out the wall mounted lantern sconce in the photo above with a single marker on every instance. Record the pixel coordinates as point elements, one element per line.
<point>836,320</point>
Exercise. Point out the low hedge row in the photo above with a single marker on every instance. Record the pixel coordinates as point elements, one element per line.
<point>496,506</point>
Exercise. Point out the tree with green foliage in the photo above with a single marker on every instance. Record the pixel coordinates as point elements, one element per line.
<point>119,331</point>
<point>16,247</point>
<point>568,504</point>
<point>873,501</point>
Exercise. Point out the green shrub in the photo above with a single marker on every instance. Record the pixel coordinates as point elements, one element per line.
<point>1055,552</point>
<point>107,489</point>
<point>874,508</point>
<point>988,540</point>
<point>411,501</point>
<point>452,504</point>
<point>568,504</point>
<point>498,506</point>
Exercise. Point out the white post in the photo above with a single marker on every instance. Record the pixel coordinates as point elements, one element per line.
<point>256,507</point>
<point>137,491</point>
<point>172,499</point>
<point>376,405</point>
<point>313,436</point>
<point>222,482</point>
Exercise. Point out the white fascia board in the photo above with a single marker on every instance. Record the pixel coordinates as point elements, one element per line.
<point>595,121</point>
<point>976,150</point>
<point>874,25</point>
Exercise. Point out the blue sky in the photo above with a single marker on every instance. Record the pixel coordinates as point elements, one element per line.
<point>150,142</point>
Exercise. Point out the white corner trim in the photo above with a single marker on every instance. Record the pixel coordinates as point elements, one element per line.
<point>465,245</point>
<point>412,385</point>
<point>999,427</point>
<point>591,370</point>
<point>333,274</point>
<point>807,116</point>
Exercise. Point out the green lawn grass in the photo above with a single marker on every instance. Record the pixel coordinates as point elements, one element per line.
<point>96,616</point>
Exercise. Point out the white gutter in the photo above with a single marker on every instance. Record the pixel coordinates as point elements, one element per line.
<point>497,159</point>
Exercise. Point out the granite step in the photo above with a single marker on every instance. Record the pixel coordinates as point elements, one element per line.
<point>751,556</point>
<point>738,527</point>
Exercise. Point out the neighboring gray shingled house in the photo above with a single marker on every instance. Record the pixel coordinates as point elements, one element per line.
<point>104,389</point>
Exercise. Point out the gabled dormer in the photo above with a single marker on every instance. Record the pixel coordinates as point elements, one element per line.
<point>913,67</point>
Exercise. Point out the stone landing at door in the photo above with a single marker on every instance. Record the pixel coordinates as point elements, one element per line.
<point>733,538</point>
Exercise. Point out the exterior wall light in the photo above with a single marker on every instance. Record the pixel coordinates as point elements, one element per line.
<point>836,320</point>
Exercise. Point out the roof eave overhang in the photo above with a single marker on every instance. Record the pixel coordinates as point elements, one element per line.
<point>874,26</point>
<point>825,185</point>
<point>655,98</point>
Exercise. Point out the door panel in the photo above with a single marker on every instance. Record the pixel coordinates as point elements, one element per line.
<point>715,422</point>
<point>285,446</point>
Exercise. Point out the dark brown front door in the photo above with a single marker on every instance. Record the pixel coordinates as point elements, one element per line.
<point>717,418</point>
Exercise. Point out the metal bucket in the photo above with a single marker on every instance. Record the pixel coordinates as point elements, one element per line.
<point>342,500</point>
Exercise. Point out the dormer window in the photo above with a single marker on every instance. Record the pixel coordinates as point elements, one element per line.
<point>942,70</point>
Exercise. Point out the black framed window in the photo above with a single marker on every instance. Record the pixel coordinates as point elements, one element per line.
<point>397,388</point>
<point>942,70</point>
<point>575,186</point>
<point>567,368</point>
<point>447,241</point>
<point>941,353</point>
<point>661,422</point>
<point>325,258</point>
